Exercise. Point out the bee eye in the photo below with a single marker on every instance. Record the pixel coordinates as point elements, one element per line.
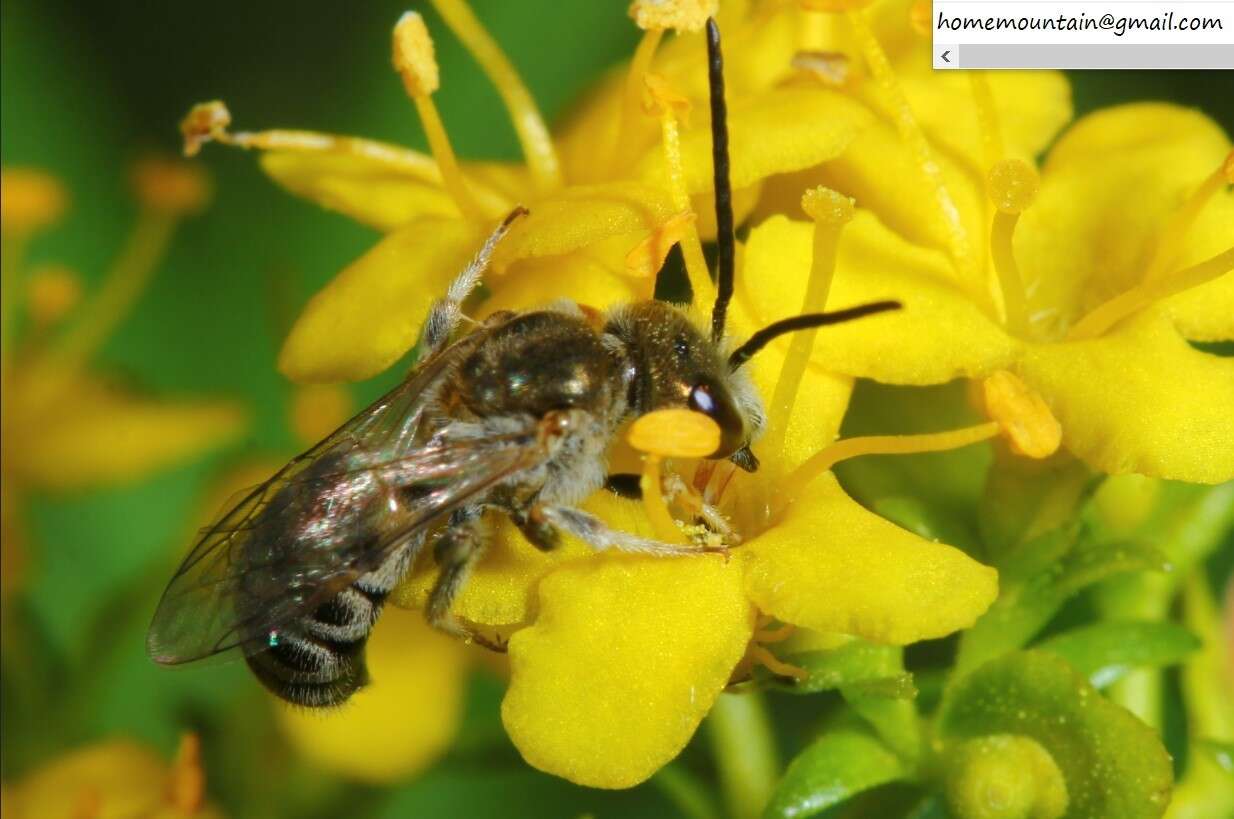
<point>715,404</point>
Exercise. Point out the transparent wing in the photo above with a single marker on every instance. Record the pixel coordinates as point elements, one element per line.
<point>239,583</point>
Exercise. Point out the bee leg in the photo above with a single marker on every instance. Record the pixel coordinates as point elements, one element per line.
<point>457,551</point>
<point>600,536</point>
<point>539,532</point>
<point>446,313</point>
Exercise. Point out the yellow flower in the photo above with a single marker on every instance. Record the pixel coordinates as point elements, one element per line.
<point>597,231</point>
<point>615,659</point>
<point>1087,283</point>
<point>117,779</point>
<point>65,427</point>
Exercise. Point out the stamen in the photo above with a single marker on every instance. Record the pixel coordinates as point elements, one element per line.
<point>660,100</point>
<point>832,68</point>
<point>170,186</point>
<point>775,665</point>
<point>1031,429</point>
<point>631,102</point>
<point>1012,185</point>
<point>1171,236</point>
<point>828,457</point>
<point>775,635</point>
<point>987,113</point>
<point>910,132</point>
<point>647,257</point>
<point>415,63</point>
<point>831,211</point>
<point>186,784</point>
<point>669,433</point>
<point>1105,316</point>
<point>680,15</point>
<point>533,134</point>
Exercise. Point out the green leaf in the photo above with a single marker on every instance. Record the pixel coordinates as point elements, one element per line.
<point>834,768</point>
<point>1037,579</point>
<point>1113,764</point>
<point>1220,752</point>
<point>1104,652</point>
<point>1024,497</point>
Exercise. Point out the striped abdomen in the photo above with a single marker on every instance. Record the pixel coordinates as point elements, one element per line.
<point>318,661</point>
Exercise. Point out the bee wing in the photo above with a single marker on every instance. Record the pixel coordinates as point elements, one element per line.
<point>198,616</point>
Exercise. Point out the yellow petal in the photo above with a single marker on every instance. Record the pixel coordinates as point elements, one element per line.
<point>364,189</point>
<point>371,313</point>
<point>784,130</point>
<point>1140,399</point>
<point>1108,188</point>
<point>577,217</point>
<point>403,720</point>
<point>939,335</point>
<point>831,565</point>
<point>501,590</point>
<point>625,658</point>
<point>575,276</point>
<point>104,436</point>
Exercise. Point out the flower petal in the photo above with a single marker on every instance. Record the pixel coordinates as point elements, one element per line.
<point>105,436</point>
<point>1140,399</point>
<point>579,216</point>
<point>574,276</point>
<point>403,720</point>
<point>1108,189</point>
<point>368,191</point>
<point>780,131</point>
<point>371,313</point>
<point>939,335</point>
<point>831,565</point>
<point>625,658</point>
<point>1206,313</point>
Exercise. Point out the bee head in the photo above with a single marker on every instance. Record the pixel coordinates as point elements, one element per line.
<point>670,363</point>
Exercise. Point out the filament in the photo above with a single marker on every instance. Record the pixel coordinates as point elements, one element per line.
<point>987,117</point>
<point>1171,236</point>
<point>1137,298</point>
<point>451,174</point>
<point>529,125</point>
<point>632,99</point>
<point>775,665</point>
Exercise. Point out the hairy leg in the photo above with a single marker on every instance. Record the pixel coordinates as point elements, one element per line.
<point>600,536</point>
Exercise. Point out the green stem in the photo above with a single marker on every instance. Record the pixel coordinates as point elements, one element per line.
<point>685,792</point>
<point>745,752</point>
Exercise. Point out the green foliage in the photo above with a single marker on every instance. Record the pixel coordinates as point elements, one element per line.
<point>834,768</point>
<point>1107,650</point>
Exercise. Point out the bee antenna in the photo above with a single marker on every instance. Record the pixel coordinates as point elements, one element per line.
<point>806,321</point>
<point>723,186</point>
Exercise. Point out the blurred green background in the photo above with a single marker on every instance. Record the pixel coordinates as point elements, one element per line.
<point>88,87</point>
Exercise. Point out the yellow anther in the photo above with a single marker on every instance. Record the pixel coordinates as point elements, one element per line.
<point>413,55</point>
<point>186,783</point>
<point>679,15</point>
<point>648,256</point>
<point>205,122</point>
<point>675,433</point>
<point>29,199</point>
<point>318,409</point>
<point>169,186</point>
<point>1025,418</point>
<point>660,98</point>
<point>833,6</point>
<point>51,292</point>
<point>1012,185</point>
<point>828,207</point>
<point>833,68</point>
<point>919,17</point>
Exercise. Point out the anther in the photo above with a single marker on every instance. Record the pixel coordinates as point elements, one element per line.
<point>1025,418</point>
<point>647,257</point>
<point>171,187</point>
<point>669,433</point>
<point>29,200</point>
<point>832,68</point>
<point>679,15</point>
<point>205,122</point>
<point>1012,185</point>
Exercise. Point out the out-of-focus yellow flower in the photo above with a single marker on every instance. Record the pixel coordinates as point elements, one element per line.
<point>118,779</point>
<point>65,427</point>
<point>615,659</point>
<point>1087,283</point>
<point>597,232</point>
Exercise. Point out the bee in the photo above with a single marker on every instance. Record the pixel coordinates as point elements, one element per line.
<point>512,415</point>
